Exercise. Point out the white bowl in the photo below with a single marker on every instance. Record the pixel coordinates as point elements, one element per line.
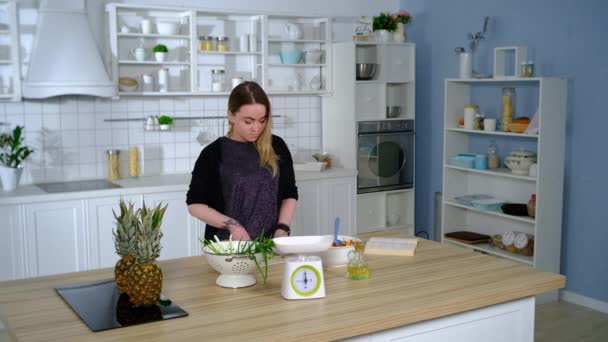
<point>312,57</point>
<point>235,269</point>
<point>127,84</point>
<point>166,27</point>
<point>338,256</point>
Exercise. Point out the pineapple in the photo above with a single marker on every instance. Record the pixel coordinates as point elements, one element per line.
<point>146,277</point>
<point>124,241</point>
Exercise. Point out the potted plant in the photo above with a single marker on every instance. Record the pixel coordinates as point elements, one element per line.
<point>401,18</point>
<point>383,24</point>
<point>165,122</point>
<point>160,52</point>
<point>12,154</point>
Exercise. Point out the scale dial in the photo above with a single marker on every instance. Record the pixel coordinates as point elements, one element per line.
<point>305,280</point>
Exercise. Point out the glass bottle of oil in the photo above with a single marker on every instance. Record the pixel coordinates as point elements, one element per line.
<point>357,267</point>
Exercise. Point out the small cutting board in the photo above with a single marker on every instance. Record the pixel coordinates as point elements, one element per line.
<point>468,237</point>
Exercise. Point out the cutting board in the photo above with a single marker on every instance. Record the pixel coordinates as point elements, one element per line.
<point>468,237</point>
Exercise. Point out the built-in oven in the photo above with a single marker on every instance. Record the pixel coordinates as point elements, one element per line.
<point>385,155</point>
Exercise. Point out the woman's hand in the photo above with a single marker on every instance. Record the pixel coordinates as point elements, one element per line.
<point>239,232</point>
<point>280,233</point>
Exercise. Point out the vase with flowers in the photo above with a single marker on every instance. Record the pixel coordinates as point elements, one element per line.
<point>401,18</point>
<point>383,24</point>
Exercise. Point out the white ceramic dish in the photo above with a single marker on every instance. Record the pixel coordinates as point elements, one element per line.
<point>165,27</point>
<point>338,256</point>
<point>302,244</point>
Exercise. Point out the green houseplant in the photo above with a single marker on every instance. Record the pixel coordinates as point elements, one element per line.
<point>165,122</point>
<point>12,154</point>
<point>160,52</point>
<point>383,24</point>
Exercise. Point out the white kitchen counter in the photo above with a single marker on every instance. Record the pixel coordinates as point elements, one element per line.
<point>148,184</point>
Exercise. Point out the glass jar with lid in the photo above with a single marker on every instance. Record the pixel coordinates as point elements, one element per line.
<point>223,43</point>
<point>204,43</point>
<point>212,43</point>
<point>218,78</point>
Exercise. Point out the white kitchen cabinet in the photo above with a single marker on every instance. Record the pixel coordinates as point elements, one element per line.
<point>341,195</point>
<point>10,63</point>
<point>101,223</point>
<point>189,65</point>
<point>310,210</point>
<point>180,231</point>
<point>12,244</point>
<point>547,97</point>
<point>355,100</point>
<point>56,238</point>
<point>321,201</point>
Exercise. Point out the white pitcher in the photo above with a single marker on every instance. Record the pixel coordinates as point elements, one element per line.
<point>293,31</point>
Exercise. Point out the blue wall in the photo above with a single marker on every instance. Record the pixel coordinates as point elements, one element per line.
<point>564,38</point>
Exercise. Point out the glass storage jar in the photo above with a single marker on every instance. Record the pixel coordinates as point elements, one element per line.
<point>493,159</point>
<point>223,43</point>
<point>204,43</point>
<point>113,164</point>
<point>508,100</point>
<point>218,78</point>
<point>212,43</point>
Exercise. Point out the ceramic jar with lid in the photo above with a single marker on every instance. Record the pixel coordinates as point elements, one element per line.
<point>519,161</point>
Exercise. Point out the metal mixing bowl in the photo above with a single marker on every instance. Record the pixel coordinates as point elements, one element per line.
<point>366,71</point>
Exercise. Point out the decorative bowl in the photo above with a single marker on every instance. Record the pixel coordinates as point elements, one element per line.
<point>127,84</point>
<point>519,161</point>
<point>515,209</point>
<point>235,269</point>
<point>291,56</point>
<point>323,158</point>
<point>338,256</point>
<point>365,71</point>
<point>312,56</point>
<point>517,127</point>
<point>165,27</point>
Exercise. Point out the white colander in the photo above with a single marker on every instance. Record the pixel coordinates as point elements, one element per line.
<point>235,269</point>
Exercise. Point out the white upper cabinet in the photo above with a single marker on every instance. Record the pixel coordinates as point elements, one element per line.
<point>210,51</point>
<point>10,74</point>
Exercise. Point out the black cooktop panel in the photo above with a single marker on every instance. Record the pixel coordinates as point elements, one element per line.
<point>102,307</point>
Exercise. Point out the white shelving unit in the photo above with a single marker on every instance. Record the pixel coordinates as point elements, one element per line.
<point>190,67</point>
<point>549,94</point>
<point>357,100</point>
<point>10,65</point>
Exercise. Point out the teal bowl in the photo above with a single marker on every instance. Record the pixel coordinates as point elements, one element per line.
<point>291,56</point>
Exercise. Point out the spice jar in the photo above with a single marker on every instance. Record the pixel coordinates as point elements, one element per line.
<point>204,43</point>
<point>212,43</point>
<point>218,79</point>
<point>113,164</point>
<point>493,159</point>
<point>508,95</point>
<point>532,206</point>
<point>223,44</point>
<point>478,121</point>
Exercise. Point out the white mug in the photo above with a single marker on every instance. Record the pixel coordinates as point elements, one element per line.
<point>139,54</point>
<point>146,26</point>
<point>489,124</point>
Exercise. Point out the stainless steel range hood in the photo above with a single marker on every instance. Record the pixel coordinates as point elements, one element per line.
<point>65,59</point>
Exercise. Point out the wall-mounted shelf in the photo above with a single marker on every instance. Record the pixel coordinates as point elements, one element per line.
<point>10,68</point>
<point>192,76</point>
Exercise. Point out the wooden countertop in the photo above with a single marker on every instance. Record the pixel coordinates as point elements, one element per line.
<point>439,280</point>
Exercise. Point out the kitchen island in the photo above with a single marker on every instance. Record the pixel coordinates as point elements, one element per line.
<point>442,293</point>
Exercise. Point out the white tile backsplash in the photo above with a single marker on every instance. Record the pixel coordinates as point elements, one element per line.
<point>70,134</point>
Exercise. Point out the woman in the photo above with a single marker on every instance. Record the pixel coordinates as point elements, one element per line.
<point>243,184</point>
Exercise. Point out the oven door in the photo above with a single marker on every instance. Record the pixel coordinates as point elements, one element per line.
<point>385,161</point>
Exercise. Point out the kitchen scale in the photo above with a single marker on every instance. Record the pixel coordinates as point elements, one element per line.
<point>303,274</point>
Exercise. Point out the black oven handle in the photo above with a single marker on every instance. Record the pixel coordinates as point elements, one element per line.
<point>388,133</point>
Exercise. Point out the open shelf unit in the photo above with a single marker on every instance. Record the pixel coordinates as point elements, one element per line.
<point>10,64</point>
<point>547,97</point>
<point>253,50</point>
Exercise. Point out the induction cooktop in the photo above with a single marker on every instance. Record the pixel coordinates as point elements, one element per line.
<point>84,185</point>
<point>100,305</point>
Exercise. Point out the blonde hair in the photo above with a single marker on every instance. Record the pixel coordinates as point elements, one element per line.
<point>251,93</point>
